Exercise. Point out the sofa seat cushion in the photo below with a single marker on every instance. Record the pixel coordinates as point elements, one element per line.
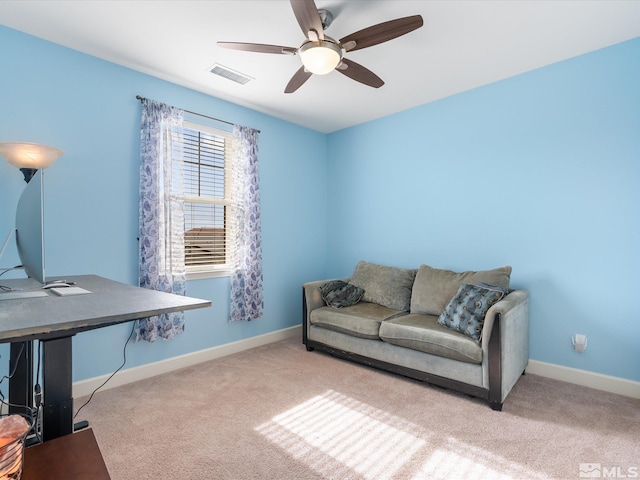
<point>423,333</point>
<point>360,320</point>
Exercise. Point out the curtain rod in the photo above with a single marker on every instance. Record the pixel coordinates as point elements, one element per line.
<point>200,114</point>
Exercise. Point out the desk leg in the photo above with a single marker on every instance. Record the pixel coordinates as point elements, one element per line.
<point>57,415</point>
<point>21,383</point>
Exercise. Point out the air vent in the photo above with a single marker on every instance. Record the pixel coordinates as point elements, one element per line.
<point>232,75</point>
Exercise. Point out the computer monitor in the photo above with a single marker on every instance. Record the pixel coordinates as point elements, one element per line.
<point>30,228</point>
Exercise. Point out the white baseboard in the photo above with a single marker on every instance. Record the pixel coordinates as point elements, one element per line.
<point>621,386</point>
<point>86,387</point>
<point>585,378</point>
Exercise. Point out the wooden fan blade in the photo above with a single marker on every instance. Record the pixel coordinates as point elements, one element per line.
<point>297,80</point>
<point>308,18</point>
<point>259,47</point>
<point>360,74</point>
<point>382,32</point>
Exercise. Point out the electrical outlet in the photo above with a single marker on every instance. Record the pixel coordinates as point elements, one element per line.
<point>579,342</point>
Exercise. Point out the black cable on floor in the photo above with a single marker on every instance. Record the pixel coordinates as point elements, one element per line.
<point>124,355</point>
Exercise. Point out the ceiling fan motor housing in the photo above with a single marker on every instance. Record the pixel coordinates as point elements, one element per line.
<point>326,17</point>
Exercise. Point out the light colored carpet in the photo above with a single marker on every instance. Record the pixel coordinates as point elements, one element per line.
<point>280,412</point>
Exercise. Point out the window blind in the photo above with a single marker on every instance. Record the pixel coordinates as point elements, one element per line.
<point>205,201</point>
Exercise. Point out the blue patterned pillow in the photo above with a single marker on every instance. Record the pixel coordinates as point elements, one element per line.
<point>338,294</point>
<point>468,307</point>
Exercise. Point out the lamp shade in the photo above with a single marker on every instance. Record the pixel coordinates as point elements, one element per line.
<point>320,57</point>
<point>29,155</point>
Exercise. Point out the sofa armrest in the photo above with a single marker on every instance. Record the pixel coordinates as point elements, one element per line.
<point>508,323</point>
<point>311,295</point>
<point>312,299</point>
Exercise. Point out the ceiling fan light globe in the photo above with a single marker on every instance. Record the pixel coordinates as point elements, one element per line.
<point>321,57</point>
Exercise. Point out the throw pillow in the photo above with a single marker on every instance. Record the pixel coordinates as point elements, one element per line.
<point>466,311</point>
<point>338,293</point>
<point>434,287</point>
<point>386,286</point>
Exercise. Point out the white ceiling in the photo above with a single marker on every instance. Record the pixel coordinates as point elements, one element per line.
<point>462,45</point>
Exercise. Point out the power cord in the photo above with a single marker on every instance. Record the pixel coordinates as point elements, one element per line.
<point>11,374</point>
<point>8,269</point>
<point>35,411</point>
<point>124,355</point>
<point>4,288</point>
<point>32,412</point>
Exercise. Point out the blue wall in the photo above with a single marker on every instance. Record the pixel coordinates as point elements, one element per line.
<point>87,107</point>
<point>540,171</point>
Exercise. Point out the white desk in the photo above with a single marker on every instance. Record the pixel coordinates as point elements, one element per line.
<point>54,320</point>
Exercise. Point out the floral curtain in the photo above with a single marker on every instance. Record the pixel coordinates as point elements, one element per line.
<point>161,215</point>
<point>245,232</point>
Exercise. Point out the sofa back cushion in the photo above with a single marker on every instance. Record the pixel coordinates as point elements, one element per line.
<point>390,287</point>
<point>434,288</point>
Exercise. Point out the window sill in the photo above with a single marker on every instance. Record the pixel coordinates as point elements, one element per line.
<point>209,274</point>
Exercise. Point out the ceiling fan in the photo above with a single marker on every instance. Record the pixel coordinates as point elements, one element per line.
<point>321,54</point>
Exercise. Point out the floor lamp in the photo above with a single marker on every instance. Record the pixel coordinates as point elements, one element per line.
<point>28,157</point>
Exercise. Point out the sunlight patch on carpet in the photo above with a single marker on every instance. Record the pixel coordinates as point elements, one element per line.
<point>336,435</point>
<point>340,437</point>
<point>460,460</point>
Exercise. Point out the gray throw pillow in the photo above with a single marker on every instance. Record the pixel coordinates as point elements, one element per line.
<point>339,294</point>
<point>466,311</point>
<point>386,286</point>
<point>434,287</point>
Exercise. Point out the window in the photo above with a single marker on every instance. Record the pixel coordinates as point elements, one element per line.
<point>206,199</point>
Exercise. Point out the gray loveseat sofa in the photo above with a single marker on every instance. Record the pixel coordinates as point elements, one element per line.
<point>466,331</point>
